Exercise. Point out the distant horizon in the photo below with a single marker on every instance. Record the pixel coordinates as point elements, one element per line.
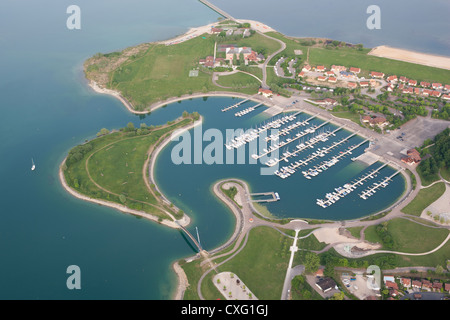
<point>323,21</point>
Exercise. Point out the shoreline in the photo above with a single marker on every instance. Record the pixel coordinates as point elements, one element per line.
<point>410,56</point>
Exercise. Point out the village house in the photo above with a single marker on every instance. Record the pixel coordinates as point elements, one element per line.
<point>447,87</point>
<point>426,285</point>
<point>413,156</point>
<point>437,286</point>
<point>427,92</point>
<point>215,30</point>
<point>412,82</point>
<point>408,90</point>
<point>378,121</point>
<point>437,86</point>
<point>390,87</point>
<point>352,85</point>
<point>378,75</point>
<point>319,272</point>
<point>320,68</point>
<point>364,84</point>
<point>372,82</point>
<point>321,78</point>
<point>338,69</point>
<point>416,284</point>
<point>328,102</point>
<point>403,79</point>
<point>306,68</point>
<point>406,283</point>
<point>355,70</point>
<point>446,97</point>
<point>447,287</point>
<point>392,79</point>
<point>332,79</point>
<point>326,284</point>
<point>301,74</point>
<point>329,73</point>
<point>232,52</point>
<point>265,92</point>
<point>424,84</point>
<point>416,91</point>
<point>436,94</point>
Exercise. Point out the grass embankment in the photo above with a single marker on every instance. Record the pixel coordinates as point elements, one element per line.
<point>410,237</point>
<point>240,81</point>
<point>111,168</point>
<point>353,58</point>
<point>157,72</point>
<point>424,198</point>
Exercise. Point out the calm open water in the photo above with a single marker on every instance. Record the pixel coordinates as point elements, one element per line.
<point>46,109</point>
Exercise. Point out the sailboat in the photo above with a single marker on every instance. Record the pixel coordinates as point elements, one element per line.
<point>33,166</point>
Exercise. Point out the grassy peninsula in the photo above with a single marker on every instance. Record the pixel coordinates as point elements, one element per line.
<point>114,167</point>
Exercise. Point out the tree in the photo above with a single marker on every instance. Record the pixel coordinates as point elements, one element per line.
<point>102,132</point>
<point>130,126</point>
<point>122,198</point>
<point>312,262</point>
<point>338,296</point>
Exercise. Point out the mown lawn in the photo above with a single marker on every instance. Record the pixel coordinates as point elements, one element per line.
<point>263,262</point>
<point>424,198</point>
<point>410,237</point>
<point>239,80</point>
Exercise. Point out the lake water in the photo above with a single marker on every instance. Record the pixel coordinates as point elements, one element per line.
<point>410,24</point>
<point>46,109</point>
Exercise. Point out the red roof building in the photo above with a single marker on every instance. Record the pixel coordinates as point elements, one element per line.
<point>437,85</point>
<point>322,78</point>
<point>391,79</point>
<point>413,157</point>
<point>376,74</point>
<point>352,85</point>
<point>332,79</point>
<point>320,68</point>
<point>424,84</point>
<point>412,82</point>
<point>355,70</point>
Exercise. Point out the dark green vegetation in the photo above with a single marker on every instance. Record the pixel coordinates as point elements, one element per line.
<point>112,167</point>
<point>301,290</point>
<point>436,154</point>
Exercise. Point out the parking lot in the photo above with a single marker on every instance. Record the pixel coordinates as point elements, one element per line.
<point>357,285</point>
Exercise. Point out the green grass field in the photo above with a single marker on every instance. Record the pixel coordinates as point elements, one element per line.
<point>263,262</point>
<point>409,236</point>
<point>424,198</point>
<point>239,80</point>
<point>115,169</point>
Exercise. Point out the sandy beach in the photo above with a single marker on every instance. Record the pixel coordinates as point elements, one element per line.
<point>425,59</point>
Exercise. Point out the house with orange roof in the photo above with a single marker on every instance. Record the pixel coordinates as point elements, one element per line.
<point>321,78</point>
<point>424,84</point>
<point>412,82</point>
<point>320,68</point>
<point>392,78</point>
<point>437,86</point>
<point>378,75</point>
<point>364,84</point>
<point>332,79</point>
<point>446,97</point>
<point>355,70</point>
<point>306,68</point>
<point>352,85</point>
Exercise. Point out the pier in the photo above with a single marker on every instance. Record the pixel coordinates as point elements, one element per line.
<point>284,143</point>
<point>377,185</point>
<point>273,197</point>
<point>253,134</point>
<point>248,110</point>
<point>200,249</point>
<point>346,189</point>
<point>287,130</point>
<point>235,105</point>
<point>303,146</point>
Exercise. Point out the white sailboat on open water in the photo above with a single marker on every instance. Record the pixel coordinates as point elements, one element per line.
<point>33,166</point>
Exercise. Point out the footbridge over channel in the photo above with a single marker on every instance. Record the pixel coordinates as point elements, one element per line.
<point>197,244</point>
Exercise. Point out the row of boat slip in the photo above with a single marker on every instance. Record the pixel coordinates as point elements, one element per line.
<point>382,184</point>
<point>287,130</point>
<point>252,134</point>
<point>346,189</point>
<point>373,189</point>
<point>275,146</point>
<point>234,105</point>
<point>244,112</point>
<point>300,148</point>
